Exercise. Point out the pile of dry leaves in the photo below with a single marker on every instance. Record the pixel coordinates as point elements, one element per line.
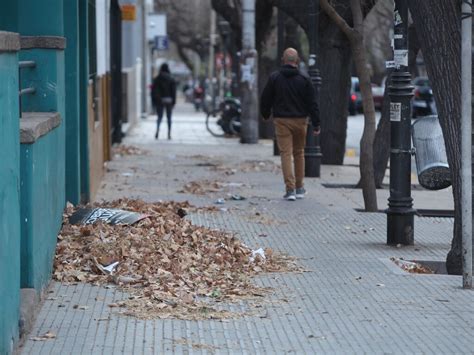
<point>170,267</point>
<point>123,150</point>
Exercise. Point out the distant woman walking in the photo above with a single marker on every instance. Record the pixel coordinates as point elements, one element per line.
<point>163,96</point>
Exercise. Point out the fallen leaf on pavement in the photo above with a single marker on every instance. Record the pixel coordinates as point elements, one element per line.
<point>46,336</point>
<point>123,150</point>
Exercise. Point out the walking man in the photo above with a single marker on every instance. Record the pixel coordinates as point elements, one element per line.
<point>289,95</point>
<point>163,96</point>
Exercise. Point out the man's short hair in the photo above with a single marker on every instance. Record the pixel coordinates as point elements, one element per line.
<point>290,55</point>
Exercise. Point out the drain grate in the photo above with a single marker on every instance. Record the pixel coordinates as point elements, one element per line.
<point>437,267</point>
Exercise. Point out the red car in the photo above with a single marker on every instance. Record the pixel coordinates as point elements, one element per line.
<point>377,94</point>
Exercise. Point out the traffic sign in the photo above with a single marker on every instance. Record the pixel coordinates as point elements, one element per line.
<point>161,43</point>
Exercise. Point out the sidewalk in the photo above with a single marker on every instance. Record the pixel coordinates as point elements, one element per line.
<point>353,300</point>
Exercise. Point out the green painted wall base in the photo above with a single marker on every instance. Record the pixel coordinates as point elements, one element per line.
<point>42,205</point>
<point>9,203</point>
<point>43,184</point>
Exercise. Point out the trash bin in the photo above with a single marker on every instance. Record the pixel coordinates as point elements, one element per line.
<point>430,152</point>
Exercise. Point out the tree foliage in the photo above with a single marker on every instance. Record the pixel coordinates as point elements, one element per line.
<point>188,26</point>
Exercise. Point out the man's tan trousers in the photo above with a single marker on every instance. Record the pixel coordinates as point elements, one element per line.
<point>291,139</point>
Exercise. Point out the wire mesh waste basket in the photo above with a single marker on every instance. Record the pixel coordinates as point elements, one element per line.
<point>431,160</point>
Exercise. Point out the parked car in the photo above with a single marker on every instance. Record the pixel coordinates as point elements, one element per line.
<point>423,103</point>
<point>355,97</point>
<point>377,95</point>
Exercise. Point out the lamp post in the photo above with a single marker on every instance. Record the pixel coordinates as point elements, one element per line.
<point>249,76</point>
<point>400,212</point>
<point>312,151</point>
<point>116,70</point>
<point>212,58</point>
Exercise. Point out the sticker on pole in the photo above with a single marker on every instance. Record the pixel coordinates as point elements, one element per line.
<point>390,64</point>
<point>400,57</point>
<point>395,111</point>
<point>397,19</point>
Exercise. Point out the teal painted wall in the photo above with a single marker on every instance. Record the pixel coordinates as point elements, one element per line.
<point>42,205</point>
<point>32,177</point>
<point>48,80</point>
<point>42,169</point>
<point>9,203</point>
<point>9,16</point>
<point>40,17</point>
<point>72,121</point>
<point>32,17</point>
<point>83,84</point>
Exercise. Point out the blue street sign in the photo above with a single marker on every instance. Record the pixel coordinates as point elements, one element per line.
<point>161,43</point>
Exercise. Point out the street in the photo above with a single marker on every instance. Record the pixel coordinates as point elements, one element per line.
<point>355,127</point>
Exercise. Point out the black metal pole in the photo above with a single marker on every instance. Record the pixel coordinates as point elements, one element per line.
<point>116,70</point>
<point>400,212</point>
<point>224,60</point>
<point>312,151</point>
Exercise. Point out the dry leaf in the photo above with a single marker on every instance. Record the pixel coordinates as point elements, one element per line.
<point>47,336</point>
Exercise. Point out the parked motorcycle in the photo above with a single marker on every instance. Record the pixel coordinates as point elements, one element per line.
<point>225,120</point>
<point>198,96</point>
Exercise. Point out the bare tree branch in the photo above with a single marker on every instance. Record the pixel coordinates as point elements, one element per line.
<point>336,18</point>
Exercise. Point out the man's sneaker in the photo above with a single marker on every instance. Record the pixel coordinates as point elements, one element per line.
<point>300,192</point>
<point>290,195</point>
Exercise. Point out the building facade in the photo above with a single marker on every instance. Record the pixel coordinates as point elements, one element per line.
<point>62,109</point>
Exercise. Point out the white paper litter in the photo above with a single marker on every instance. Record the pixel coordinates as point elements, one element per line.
<point>259,252</point>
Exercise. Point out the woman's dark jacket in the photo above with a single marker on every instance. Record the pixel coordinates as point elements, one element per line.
<point>163,86</point>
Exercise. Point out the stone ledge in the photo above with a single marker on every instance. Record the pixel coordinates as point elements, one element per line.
<point>34,125</point>
<point>9,42</point>
<point>43,42</point>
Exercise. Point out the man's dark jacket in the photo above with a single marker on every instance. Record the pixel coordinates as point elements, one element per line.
<point>163,86</point>
<point>289,94</point>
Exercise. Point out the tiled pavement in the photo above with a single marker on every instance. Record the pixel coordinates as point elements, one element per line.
<point>353,300</point>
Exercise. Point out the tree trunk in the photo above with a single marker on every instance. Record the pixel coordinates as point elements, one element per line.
<point>413,50</point>
<point>292,38</point>
<point>335,64</point>
<point>382,139</point>
<point>185,58</point>
<point>367,141</point>
<point>356,39</point>
<point>438,22</point>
